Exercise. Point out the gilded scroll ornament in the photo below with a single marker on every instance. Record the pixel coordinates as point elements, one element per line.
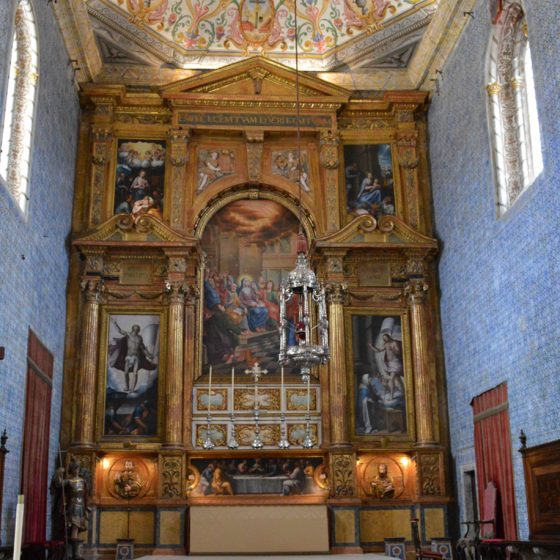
<point>329,142</point>
<point>171,477</point>
<point>255,143</point>
<point>430,475</point>
<point>343,475</point>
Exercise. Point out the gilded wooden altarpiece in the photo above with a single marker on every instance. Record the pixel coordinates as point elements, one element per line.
<point>230,138</point>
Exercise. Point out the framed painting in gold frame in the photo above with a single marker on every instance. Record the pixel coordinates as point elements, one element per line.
<point>369,180</point>
<point>131,360</point>
<point>380,374</point>
<point>139,186</point>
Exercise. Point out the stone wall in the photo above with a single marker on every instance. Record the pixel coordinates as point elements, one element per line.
<point>499,276</point>
<point>33,247</point>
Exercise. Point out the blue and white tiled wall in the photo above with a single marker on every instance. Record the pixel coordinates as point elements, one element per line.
<point>499,276</point>
<point>33,255</point>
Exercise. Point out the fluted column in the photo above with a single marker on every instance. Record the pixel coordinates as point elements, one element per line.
<point>336,293</point>
<point>175,292</point>
<point>191,298</point>
<point>415,291</point>
<point>87,373</point>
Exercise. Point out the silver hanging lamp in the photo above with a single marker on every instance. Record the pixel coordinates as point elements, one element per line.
<point>304,336</point>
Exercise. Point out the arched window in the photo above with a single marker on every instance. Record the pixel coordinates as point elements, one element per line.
<point>20,105</point>
<point>514,125</point>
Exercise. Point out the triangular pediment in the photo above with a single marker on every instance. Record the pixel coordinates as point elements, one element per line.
<point>256,76</point>
<point>124,229</point>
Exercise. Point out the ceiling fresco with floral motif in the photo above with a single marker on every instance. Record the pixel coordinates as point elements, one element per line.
<point>359,44</point>
<point>229,28</point>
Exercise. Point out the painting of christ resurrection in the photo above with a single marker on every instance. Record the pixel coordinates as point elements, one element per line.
<point>132,375</point>
<point>250,248</point>
<point>378,375</point>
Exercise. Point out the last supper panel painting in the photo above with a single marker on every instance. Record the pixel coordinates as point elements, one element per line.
<point>250,247</point>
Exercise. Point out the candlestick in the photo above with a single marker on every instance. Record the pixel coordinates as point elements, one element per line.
<point>283,443</point>
<point>209,388</point>
<point>232,386</point>
<point>208,443</point>
<point>256,372</point>
<point>232,442</point>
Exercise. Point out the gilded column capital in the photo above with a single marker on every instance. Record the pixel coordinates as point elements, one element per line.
<point>175,292</point>
<point>415,291</point>
<point>178,138</point>
<point>179,134</point>
<point>407,138</point>
<point>101,133</point>
<point>336,292</point>
<point>192,295</point>
<point>93,290</point>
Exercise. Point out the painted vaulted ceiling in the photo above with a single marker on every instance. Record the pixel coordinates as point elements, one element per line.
<point>358,44</point>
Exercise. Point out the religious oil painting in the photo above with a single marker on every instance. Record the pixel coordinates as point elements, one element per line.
<point>250,247</point>
<point>140,174</point>
<point>213,165</point>
<point>132,372</point>
<point>292,167</point>
<point>379,375</point>
<point>262,475</point>
<point>368,176</point>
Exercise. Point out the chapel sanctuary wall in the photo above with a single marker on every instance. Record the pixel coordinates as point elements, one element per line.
<point>218,210</point>
<point>33,253</point>
<point>499,313</point>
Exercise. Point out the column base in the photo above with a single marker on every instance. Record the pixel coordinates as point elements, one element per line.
<point>172,447</point>
<point>425,444</point>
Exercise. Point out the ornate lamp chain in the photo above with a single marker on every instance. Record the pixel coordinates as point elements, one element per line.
<point>298,132</point>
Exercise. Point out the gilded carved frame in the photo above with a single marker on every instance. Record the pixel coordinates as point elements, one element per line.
<point>106,313</point>
<point>385,137</point>
<point>206,215</point>
<point>144,133</point>
<point>366,439</point>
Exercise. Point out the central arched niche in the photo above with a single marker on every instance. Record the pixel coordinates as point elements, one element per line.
<point>250,246</point>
